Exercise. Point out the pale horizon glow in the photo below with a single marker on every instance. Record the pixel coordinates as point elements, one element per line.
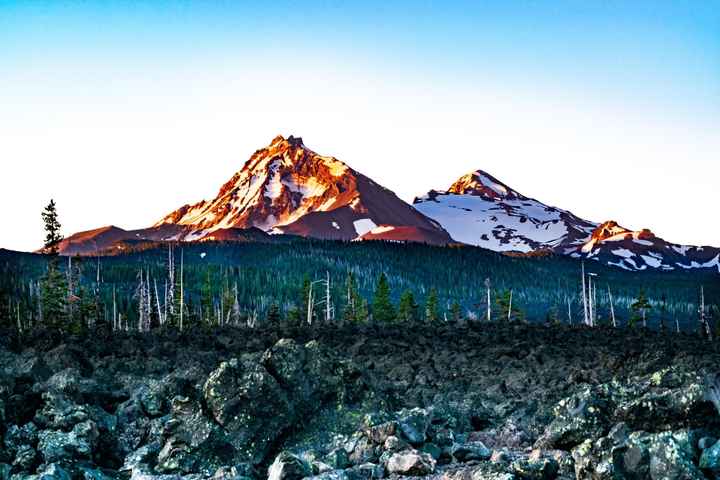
<point>124,113</point>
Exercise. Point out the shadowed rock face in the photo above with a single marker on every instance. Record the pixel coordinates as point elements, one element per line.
<point>467,401</point>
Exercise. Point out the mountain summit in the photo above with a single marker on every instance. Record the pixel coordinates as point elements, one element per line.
<point>287,188</point>
<point>478,209</point>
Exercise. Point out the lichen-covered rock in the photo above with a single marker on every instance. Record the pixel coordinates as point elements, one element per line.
<point>535,467</point>
<point>667,455</point>
<point>411,462</point>
<point>287,466</point>
<point>659,401</point>
<point>581,416</point>
<point>249,403</point>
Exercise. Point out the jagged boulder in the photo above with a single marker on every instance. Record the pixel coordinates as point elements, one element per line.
<point>710,458</point>
<point>466,452</point>
<point>581,416</point>
<point>287,466</point>
<point>78,444</point>
<point>193,444</point>
<point>663,400</point>
<point>411,462</point>
<point>54,472</point>
<point>414,424</point>
<point>249,403</point>
<point>667,455</point>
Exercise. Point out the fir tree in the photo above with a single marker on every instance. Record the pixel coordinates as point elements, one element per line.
<point>407,308</point>
<point>382,308</point>
<point>431,307</point>
<point>273,315</point>
<point>53,290</point>
<point>455,312</point>
<point>639,310</point>
<point>663,313</point>
<point>352,301</point>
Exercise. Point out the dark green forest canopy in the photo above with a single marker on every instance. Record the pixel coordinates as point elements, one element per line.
<point>268,273</point>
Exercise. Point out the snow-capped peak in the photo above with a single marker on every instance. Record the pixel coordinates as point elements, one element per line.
<point>483,184</point>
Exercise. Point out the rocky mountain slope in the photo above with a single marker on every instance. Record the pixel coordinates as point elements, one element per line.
<point>284,188</point>
<point>480,210</point>
<point>480,401</point>
<point>287,188</point>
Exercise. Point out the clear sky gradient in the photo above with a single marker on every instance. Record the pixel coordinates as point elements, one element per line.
<point>123,111</point>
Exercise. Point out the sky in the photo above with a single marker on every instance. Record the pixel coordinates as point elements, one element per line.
<point>123,111</point>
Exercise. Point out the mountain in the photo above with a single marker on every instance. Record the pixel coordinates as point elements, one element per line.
<point>478,209</point>
<point>284,188</point>
<point>288,188</point>
<point>641,250</point>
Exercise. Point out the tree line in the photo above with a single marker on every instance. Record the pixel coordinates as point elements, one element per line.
<point>162,289</point>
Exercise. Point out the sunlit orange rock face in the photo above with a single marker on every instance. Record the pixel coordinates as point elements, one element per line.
<point>287,188</point>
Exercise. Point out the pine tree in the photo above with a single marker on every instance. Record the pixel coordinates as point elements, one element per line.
<point>53,289</point>
<point>382,307</point>
<point>431,307</point>
<point>407,308</point>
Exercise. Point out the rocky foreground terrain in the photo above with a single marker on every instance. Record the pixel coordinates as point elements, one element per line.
<point>474,402</point>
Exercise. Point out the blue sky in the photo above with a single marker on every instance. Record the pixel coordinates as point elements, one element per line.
<point>607,108</point>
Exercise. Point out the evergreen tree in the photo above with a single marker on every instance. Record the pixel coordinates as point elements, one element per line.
<point>382,307</point>
<point>507,307</point>
<point>431,307</point>
<point>663,313</point>
<point>407,308</point>
<point>639,310</point>
<point>273,315</point>
<point>53,289</point>
<point>352,301</point>
<point>206,299</point>
<point>455,312</point>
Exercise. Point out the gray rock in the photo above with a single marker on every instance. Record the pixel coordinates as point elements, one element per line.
<point>249,404</point>
<point>411,462</point>
<point>471,451</point>
<point>77,444</point>
<point>54,472</point>
<point>25,458</point>
<point>337,459</point>
<point>366,471</point>
<point>15,437</point>
<point>413,424</point>
<point>236,472</point>
<point>710,458</point>
<point>288,467</point>
<point>579,417</point>
<point>535,467</point>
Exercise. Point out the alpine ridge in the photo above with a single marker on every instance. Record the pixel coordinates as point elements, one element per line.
<point>284,188</point>
<point>480,210</point>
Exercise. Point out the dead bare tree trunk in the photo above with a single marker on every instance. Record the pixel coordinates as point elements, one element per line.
<point>612,308</point>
